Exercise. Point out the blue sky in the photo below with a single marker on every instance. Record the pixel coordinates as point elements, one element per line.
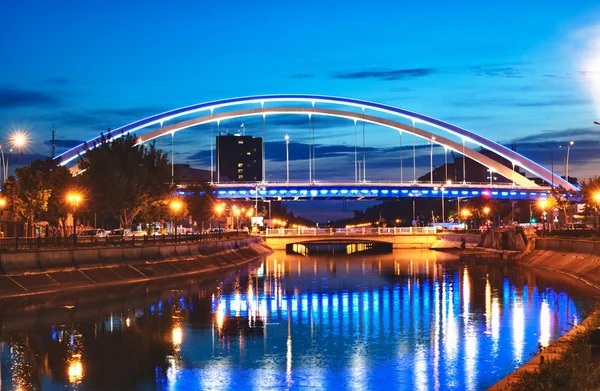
<point>513,71</point>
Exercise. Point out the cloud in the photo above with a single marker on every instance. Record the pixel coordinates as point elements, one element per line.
<point>302,76</point>
<point>385,75</point>
<point>496,71</point>
<point>97,119</point>
<point>11,97</point>
<point>543,101</point>
<point>56,81</point>
<point>582,135</point>
<point>64,143</point>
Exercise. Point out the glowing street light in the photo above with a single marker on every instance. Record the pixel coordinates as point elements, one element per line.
<point>597,199</point>
<point>486,210</point>
<point>176,206</point>
<point>219,208</point>
<point>17,140</point>
<point>74,199</point>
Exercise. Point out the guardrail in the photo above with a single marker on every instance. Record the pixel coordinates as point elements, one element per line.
<point>39,243</point>
<point>270,232</point>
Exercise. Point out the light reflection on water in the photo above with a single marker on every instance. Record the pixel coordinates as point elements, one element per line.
<point>411,320</point>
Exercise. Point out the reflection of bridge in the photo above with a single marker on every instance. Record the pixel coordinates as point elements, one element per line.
<point>399,237</point>
<point>431,130</point>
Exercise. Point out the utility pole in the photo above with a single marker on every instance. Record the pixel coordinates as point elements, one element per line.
<point>53,131</point>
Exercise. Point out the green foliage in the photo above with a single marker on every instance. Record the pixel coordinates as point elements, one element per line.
<point>60,182</point>
<point>576,370</point>
<point>200,201</point>
<point>123,179</point>
<point>589,189</point>
<point>29,195</point>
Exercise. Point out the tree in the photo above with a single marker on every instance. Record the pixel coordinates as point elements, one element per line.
<point>60,182</point>
<point>589,190</point>
<point>200,201</point>
<point>124,179</point>
<point>28,196</point>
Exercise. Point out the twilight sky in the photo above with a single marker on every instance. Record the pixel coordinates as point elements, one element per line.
<point>520,72</point>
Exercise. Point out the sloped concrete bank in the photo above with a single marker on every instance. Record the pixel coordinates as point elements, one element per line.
<point>31,273</point>
<point>576,258</point>
<point>573,257</point>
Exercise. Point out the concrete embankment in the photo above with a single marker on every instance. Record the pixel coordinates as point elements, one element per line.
<point>454,241</point>
<point>576,258</point>
<point>29,273</point>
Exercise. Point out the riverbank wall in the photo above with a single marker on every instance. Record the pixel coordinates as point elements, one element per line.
<point>29,273</point>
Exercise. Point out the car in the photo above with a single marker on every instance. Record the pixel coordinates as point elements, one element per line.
<point>119,232</point>
<point>89,234</point>
<point>129,233</point>
<point>577,226</point>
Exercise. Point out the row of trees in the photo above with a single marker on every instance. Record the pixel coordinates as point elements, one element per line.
<point>481,208</point>
<point>119,183</point>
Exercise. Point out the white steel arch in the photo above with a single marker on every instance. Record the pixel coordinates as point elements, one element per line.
<point>512,156</point>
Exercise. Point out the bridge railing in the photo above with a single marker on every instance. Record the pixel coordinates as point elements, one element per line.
<point>270,232</point>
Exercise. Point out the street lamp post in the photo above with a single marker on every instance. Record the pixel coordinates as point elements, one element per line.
<point>551,160</point>
<point>287,158</point>
<point>542,204</point>
<point>2,206</point>
<point>486,213</point>
<point>567,165</point>
<point>175,207</point>
<point>431,159</point>
<point>74,199</point>
<point>18,140</point>
<point>597,199</point>
<point>443,211</point>
<point>219,209</point>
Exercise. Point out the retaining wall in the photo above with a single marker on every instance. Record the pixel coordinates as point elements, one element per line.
<point>455,240</point>
<point>49,260</point>
<point>575,257</point>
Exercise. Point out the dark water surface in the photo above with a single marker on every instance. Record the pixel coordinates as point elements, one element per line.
<point>414,319</point>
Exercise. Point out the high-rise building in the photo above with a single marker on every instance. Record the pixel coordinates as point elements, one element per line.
<point>239,158</point>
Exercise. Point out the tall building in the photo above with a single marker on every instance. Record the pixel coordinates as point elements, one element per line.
<point>239,158</point>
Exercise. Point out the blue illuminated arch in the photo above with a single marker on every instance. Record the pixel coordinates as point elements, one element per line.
<point>516,158</point>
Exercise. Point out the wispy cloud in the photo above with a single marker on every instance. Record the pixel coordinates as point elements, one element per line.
<point>302,76</point>
<point>56,81</point>
<point>64,143</point>
<point>496,71</point>
<point>385,75</point>
<point>11,97</point>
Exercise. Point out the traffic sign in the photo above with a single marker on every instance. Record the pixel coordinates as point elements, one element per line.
<point>555,213</point>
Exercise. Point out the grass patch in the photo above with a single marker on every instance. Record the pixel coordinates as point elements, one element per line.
<point>576,370</point>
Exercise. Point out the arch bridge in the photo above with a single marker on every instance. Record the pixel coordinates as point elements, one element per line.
<point>402,121</point>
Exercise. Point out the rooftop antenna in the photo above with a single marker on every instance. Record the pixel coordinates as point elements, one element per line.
<point>53,144</point>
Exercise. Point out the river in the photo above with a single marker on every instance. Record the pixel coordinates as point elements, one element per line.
<point>414,319</point>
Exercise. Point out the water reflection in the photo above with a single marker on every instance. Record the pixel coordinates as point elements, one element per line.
<point>414,319</point>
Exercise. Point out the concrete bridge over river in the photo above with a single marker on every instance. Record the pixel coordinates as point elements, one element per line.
<point>398,237</point>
